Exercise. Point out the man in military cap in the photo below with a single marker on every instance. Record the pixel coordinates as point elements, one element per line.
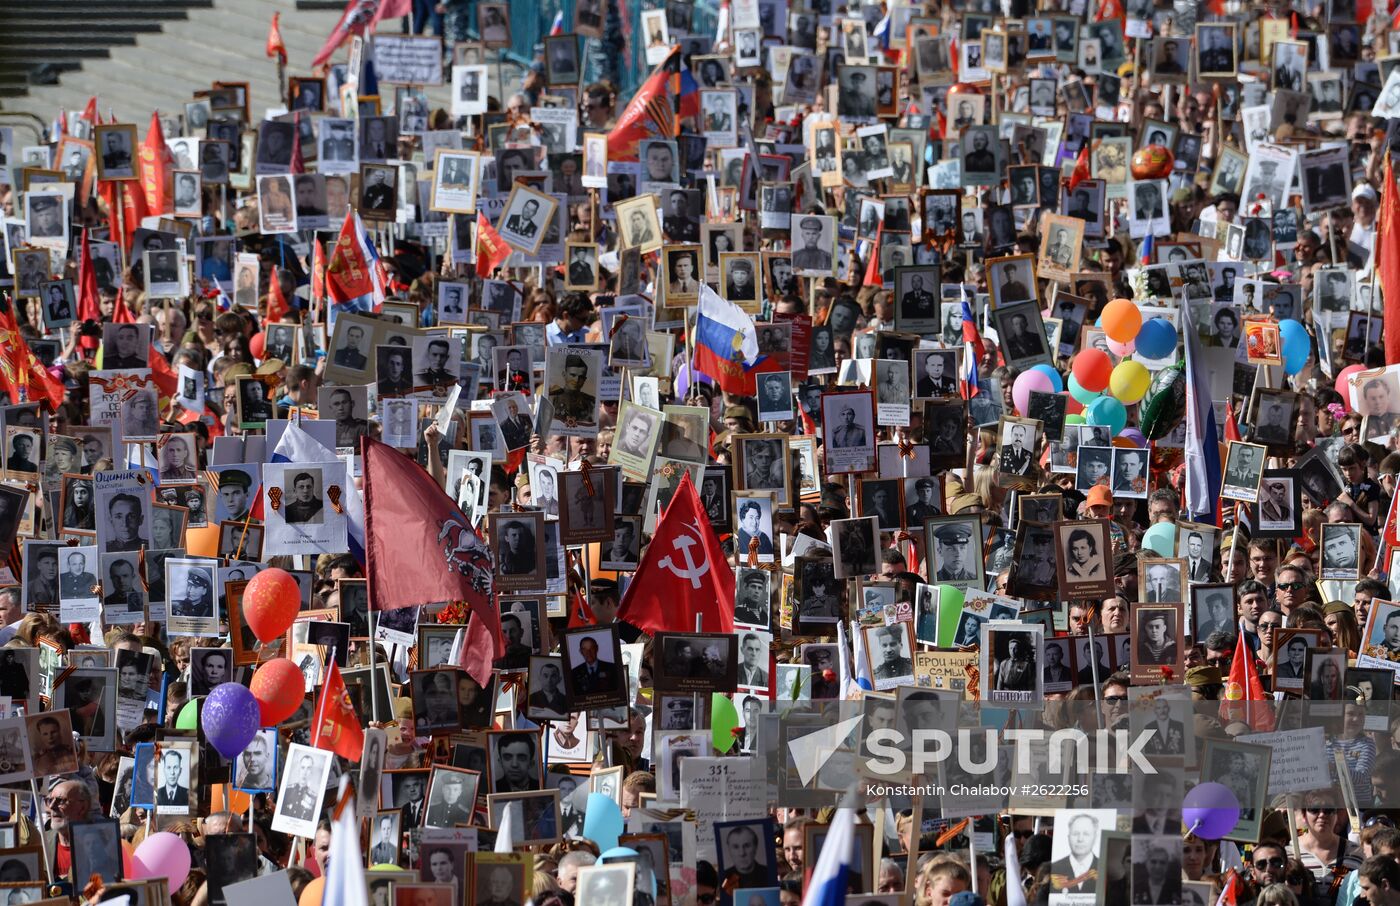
<point>923,507</point>
<point>953,541</point>
<point>739,282</point>
<point>570,401</point>
<point>234,486</point>
<point>197,599</point>
<point>848,433</point>
<point>436,374</point>
<point>339,144</point>
<point>855,100</point>
<point>752,606</point>
<point>581,267</point>
<point>811,257</point>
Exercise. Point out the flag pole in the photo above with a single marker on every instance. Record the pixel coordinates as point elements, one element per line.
<point>373,686</point>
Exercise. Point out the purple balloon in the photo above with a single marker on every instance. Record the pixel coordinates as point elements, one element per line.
<point>1210,811</point>
<point>1134,435</point>
<point>231,718</point>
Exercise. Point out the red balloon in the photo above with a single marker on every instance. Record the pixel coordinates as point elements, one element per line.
<point>1092,368</point>
<point>279,688</point>
<point>270,603</point>
<point>258,345</point>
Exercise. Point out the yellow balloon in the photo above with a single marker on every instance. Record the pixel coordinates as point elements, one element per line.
<point>1129,381</point>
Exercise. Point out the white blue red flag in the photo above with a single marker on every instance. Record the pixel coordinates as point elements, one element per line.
<point>726,343</point>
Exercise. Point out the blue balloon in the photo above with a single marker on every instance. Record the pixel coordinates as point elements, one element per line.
<point>1056,380</point>
<point>1156,339</point>
<point>1107,411</point>
<point>602,821</point>
<point>1296,341</point>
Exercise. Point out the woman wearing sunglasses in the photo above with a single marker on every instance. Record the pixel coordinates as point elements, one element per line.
<point>1327,855</point>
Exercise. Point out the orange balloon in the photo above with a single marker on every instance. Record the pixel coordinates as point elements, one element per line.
<point>270,603</point>
<point>279,688</point>
<point>1121,320</point>
<point>203,542</point>
<point>312,893</point>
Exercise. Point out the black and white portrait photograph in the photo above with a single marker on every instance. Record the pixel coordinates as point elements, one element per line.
<point>518,539</point>
<point>116,151</point>
<point>856,546</point>
<point>1341,550</point>
<point>1011,659</point>
<point>1212,609</point>
<point>1280,504</point>
<point>303,787</point>
<point>954,545</point>
<point>696,662</point>
<point>983,156</point>
<point>593,670</point>
<point>1244,465</point>
<point>889,650</point>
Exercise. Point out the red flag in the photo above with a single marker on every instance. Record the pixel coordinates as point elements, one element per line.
<point>120,313</point>
<point>683,574</point>
<point>1081,168</point>
<point>26,376</point>
<point>347,272</point>
<point>491,249</point>
<point>338,727</point>
<point>872,267</point>
<point>1243,687</point>
<point>298,159</point>
<point>420,549</point>
<point>359,17</point>
<point>88,309</point>
<point>277,305</point>
<point>580,614</point>
<point>652,111</point>
<point>90,111</point>
<point>1388,260</point>
<point>162,375</point>
<point>133,209</point>
<point>275,46</point>
<point>157,166</point>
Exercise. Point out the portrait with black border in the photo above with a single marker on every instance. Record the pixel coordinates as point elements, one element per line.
<point>1279,512</point>
<point>517,540</point>
<point>695,662</point>
<point>587,516</point>
<point>96,850</point>
<point>604,686</point>
<point>1341,551</point>
<point>434,697</point>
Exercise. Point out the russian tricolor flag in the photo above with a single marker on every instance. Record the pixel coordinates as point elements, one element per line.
<point>726,343</point>
<point>973,350</point>
<point>558,27</point>
<point>830,875</point>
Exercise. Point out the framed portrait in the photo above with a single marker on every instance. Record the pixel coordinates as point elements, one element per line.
<point>1083,565</point>
<point>1244,466</point>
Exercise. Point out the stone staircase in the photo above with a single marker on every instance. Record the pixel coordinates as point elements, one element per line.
<point>143,55</point>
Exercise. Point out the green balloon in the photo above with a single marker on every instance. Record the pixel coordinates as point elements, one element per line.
<point>188,718</point>
<point>1164,406</point>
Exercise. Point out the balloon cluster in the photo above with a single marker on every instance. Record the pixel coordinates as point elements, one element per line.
<point>231,714</point>
<point>1099,389</point>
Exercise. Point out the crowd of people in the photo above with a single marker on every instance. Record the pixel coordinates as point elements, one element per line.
<point>889,355</point>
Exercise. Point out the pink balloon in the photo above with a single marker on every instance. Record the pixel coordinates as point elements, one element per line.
<point>1344,383</point>
<point>162,855</point>
<point>1027,381</point>
<point>1121,350</point>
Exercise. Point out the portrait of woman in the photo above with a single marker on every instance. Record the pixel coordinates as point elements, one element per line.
<point>77,508</point>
